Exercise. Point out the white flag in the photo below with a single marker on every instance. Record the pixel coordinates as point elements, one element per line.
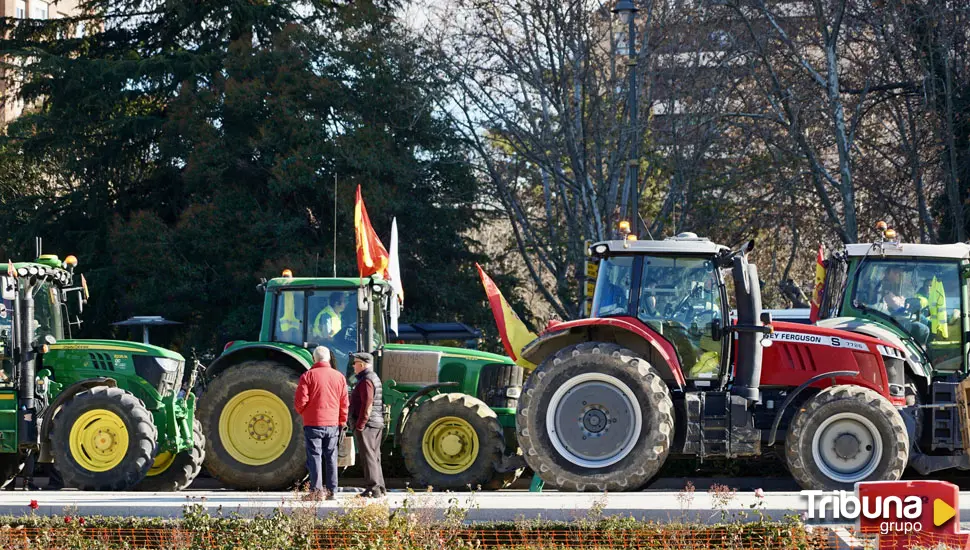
<point>394,276</point>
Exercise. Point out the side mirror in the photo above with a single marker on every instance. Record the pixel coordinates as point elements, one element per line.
<point>748,247</point>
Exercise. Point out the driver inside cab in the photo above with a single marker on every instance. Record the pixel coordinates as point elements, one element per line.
<point>328,323</point>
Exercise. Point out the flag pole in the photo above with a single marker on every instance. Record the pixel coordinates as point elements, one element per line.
<point>334,225</point>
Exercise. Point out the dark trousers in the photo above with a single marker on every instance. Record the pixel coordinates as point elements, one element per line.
<point>321,456</point>
<point>368,443</point>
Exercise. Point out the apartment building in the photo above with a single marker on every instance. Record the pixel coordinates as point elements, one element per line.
<point>32,9</point>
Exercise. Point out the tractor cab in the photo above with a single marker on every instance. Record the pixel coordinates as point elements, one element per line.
<point>914,294</point>
<point>676,288</point>
<point>344,314</point>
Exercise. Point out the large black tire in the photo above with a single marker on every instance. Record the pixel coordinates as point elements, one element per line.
<point>612,374</point>
<point>843,435</point>
<point>471,413</point>
<point>183,469</point>
<point>138,455</point>
<point>281,473</point>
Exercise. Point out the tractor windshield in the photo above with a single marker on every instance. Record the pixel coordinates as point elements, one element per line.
<point>680,298</point>
<point>318,317</point>
<point>921,297</point>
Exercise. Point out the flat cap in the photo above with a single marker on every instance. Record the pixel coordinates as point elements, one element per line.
<point>363,356</point>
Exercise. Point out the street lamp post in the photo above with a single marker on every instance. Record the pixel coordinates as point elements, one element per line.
<point>627,11</point>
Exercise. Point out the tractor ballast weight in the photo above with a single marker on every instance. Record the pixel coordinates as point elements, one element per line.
<point>659,371</point>
<point>450,412</point>
<point>110,414</point>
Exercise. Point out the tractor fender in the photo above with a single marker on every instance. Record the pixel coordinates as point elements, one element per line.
<point>250,351</point>
<point>47,417</point>
<point>624,331</point>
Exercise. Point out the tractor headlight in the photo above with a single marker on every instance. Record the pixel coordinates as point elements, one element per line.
<point>600,249</point>
<point>513,392</point>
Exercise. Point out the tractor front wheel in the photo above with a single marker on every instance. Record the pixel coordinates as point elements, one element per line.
<point>595,417</point>
<point>103,439</point>
<point>452,441</point>
<point>254,437</point>
<point>843,435</point>
<point>174,472</point>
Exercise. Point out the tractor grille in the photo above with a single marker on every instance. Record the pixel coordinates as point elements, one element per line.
<point>164,374</point>
<point>499,385</point>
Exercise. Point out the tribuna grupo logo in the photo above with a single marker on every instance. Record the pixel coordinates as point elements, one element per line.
<point>895,514</point>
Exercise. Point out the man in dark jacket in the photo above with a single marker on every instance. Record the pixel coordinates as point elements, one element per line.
<point>321,399</point>
<point>367,420</point>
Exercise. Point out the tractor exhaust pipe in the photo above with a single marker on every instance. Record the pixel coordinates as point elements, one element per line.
<point>748,293</point>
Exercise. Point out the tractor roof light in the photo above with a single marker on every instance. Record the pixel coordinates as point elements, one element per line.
<point>881,225</point>
<point>600,249</point>
<point>23,272</point>
<point>71,261</point>
<point>32,270</point>
<point>624,225</point>
<point>890,234</point>
<point>377,289</point>
<point>287,273</point>
<point>631,237</point>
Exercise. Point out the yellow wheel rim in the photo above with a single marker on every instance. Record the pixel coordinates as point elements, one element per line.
<point>99,440</point>
<point>450,445</point>
<point>163,460</point>
<point>255,427</point>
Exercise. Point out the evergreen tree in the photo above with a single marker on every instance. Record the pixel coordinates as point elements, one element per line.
<point>183,149</point>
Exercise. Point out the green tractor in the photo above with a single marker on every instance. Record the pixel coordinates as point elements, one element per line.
<point>111,415</point>
<point>916,297</point>
<point>450,411</point>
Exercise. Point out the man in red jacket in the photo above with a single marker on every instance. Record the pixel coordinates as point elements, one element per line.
<point>321,399</point>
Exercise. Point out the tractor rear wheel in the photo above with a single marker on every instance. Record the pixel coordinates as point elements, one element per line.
<point>452,441</point>
<point>595,417</point>
<point>843,435</point>
<point>174,472</point>
<point>103,439</point>
<point>254,437</point>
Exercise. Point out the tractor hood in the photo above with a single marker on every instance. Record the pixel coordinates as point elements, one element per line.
<point>116,345</point>
<point>914,355</point>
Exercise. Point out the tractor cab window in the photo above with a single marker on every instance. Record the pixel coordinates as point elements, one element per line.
<point>612,294</point>
<point>289,317</point>
<point>333,321</point>
<point>48,317</point>
<point>922,298</point>
<point>680,298</point>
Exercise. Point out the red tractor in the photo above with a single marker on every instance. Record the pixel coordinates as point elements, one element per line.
<point>660,371</point>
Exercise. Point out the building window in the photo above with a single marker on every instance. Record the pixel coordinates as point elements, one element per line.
<point>21,9</point>
<point>40,11</point>
<point>79,30</point>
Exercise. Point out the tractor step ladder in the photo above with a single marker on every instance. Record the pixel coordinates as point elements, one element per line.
<point>946,421</point>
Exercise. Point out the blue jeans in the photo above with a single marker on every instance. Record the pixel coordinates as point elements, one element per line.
<point>321,454</point>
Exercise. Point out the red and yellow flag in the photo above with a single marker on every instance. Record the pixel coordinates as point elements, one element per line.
<point>515,335</point>
<point>819,285</point>
<point>372,257</point>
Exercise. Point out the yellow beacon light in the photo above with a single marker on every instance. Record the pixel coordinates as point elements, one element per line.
<point>287,273</point>
<point>624,225</point>
<point>71,261</point>
<point>881,226</point>
<point>631,237</point>
<point>890,233</point>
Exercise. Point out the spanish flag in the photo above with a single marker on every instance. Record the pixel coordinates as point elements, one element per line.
<point>515,335</point>
<point>372,257</point>
<point>819,285</point>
